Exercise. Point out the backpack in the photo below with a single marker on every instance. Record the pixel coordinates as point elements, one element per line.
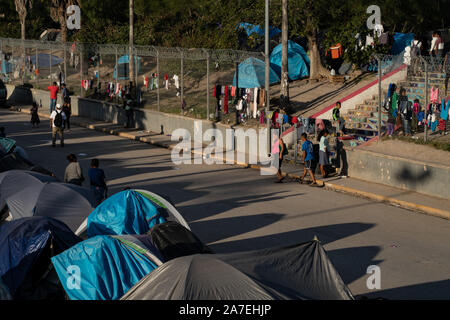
<point>58,122</point>
<point>415,49</point>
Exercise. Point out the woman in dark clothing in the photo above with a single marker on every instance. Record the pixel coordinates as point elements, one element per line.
<point>67,111</point>
<point>34,115</point>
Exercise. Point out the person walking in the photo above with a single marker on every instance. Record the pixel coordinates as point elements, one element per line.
<point>34,115</point>
<point>68,112</point>
<point>279,150</point>
<point>54,89</point>
<point>65,94</point>
<point>128,110</point>
<point>340,122</point>
<point>307,158</point>
<point>57,119</point>
<point>324,149</point>
<point>73,173</point>
<point>97,181</point>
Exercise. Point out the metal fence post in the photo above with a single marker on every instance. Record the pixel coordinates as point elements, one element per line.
<point>157,78</point>
<point>182,77</point>
<point>136,73</point>
<point>295,143</point>
<point>65,62</point>
<point>51,53</point>
<point>98,70</point>
<point>36,68</point>
<point>117,70</point>
<point>207,85</point>
<point>379,99</point>
<point>81,72</point>
<point>426,101</point>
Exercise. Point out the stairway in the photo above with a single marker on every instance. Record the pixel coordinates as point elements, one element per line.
<point>365,117</point>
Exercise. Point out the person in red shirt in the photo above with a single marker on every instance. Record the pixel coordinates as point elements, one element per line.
<point>53,96</point>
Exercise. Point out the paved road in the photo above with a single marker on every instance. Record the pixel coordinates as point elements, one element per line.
<point>234,209</point>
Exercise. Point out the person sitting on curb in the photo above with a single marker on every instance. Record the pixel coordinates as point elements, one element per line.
<point>73,173</point>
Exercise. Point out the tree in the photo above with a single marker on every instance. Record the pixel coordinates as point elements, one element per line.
<point>58,13</point>
<point>22,7</point>
<point>284,53</point>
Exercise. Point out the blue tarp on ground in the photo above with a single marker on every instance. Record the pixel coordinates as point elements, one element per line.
<point>108,266</point>
<point>126,212</point>
<point>401,41</point>
<point>43,60</point>
<point>23,240</point>
<point>251,28</point>
<point>252,74</point>
<point>298,61</point>
<point>123,66</point>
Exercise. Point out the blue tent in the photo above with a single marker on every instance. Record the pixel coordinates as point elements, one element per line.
<point>252,74</point>
<point>26,246</point>
<point>7,67</point>
<point>298,61</point>
<point>126,212</point>
<point>109,266</point>
<point>43,60</point>
<point>251,28</point>
<point>123,66</point>
<point>401,41</point>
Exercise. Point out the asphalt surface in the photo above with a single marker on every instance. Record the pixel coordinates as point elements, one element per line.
<point>235,209</point>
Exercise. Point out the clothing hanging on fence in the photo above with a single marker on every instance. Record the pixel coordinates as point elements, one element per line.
<point>434,95</point>
<point>145,81</point>
<point>261,117</point>
<point>233,91</point>
<point>117,89</point>
<point>445,109</point>
<point>225,102</point>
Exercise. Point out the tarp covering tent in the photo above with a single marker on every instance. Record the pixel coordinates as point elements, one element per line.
<point>252,74</point>
<point>251,28</point>
<point>26,246</point>
<point>28,194</point>
<point>130,212</point>
<point>298,61</point>
<point>123,64</point>
<point>173,240</point>
<point>295,272</point>
<point>401,41</point>
<point>109,265</point>
<point>43,60</point>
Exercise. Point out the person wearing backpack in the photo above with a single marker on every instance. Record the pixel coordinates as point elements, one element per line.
<point>57,119</point>
<point>416,51</point>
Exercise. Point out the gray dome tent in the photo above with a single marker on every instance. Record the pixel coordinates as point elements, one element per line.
<point>296,272</point>
<point>28,193</point>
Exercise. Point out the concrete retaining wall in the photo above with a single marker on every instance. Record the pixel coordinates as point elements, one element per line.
<point>398,172</point>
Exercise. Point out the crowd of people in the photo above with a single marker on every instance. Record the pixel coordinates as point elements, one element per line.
<point>407,117</point>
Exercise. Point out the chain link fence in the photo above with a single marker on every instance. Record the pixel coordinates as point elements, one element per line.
<point>425,75</point>
<point>174,80</point>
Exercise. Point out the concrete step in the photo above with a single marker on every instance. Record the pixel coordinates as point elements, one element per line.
<point>363,107</point>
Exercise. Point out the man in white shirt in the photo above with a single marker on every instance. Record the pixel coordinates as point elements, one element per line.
<point>57,119</point>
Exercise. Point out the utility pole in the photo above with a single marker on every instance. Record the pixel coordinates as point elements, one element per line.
<point>267,76</point>
<point>131,43</point>
<point>284,53</point>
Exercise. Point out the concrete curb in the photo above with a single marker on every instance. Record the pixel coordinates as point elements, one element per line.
<point>329,186</point>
